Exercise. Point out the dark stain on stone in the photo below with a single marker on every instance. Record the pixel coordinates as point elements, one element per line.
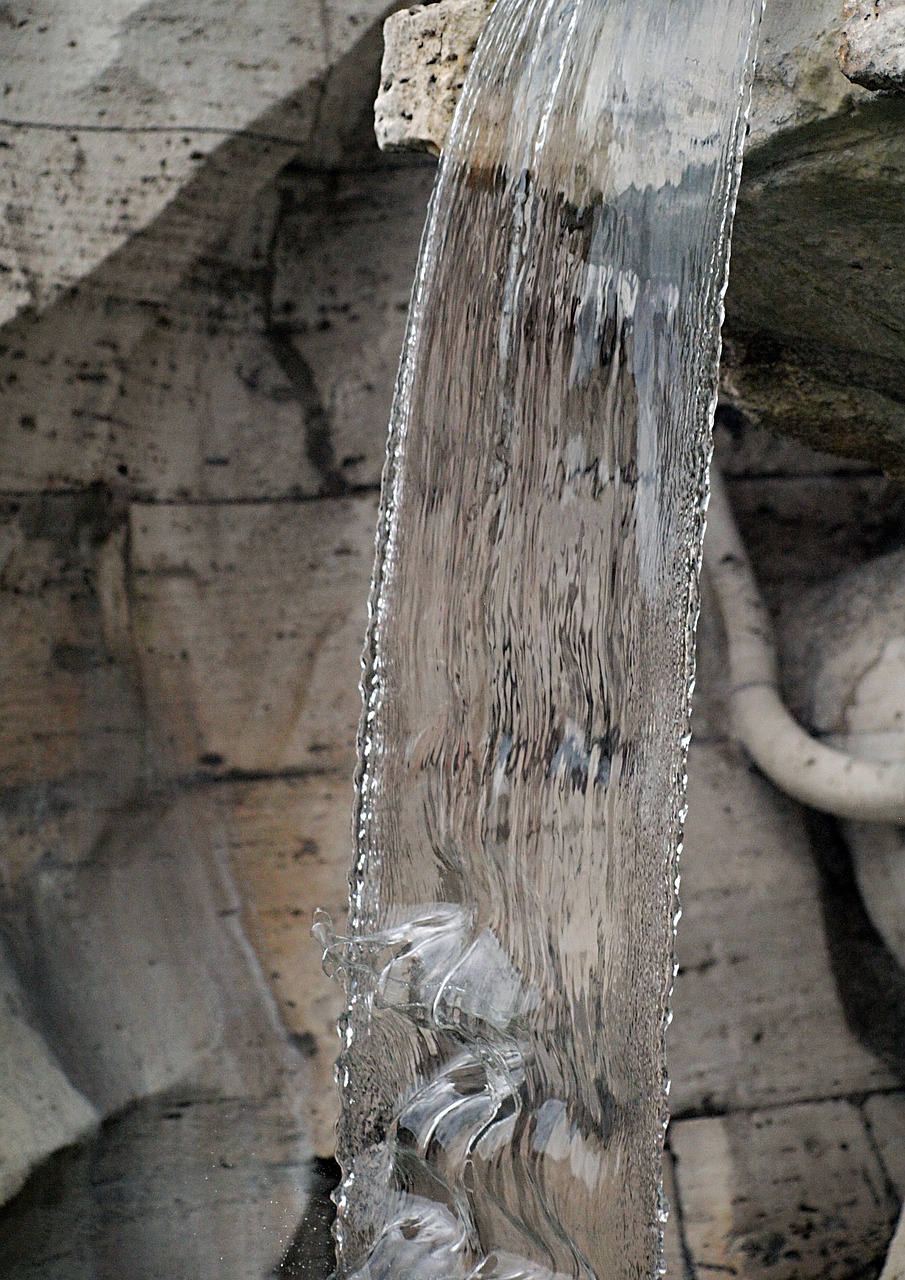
<point>318,428</point>
<point>732,419</point>
<point>76,659</point>
<point>66,518</point>
<point>305,1042</point>
<point>310,1256</point>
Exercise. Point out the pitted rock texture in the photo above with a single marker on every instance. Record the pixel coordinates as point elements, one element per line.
<point>427,51</point>
<point>122,116</point>
<point>872,52</point>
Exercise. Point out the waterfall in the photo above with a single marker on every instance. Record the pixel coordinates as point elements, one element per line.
<point>529,663</point>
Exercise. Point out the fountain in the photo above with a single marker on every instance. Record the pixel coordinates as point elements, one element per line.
<point>530,655</point>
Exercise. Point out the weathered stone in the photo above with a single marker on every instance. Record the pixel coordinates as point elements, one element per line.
<point>40,1110</point>
<point>427,51</point>
<point>178,1186</point>
<point>833,636</point>
<point>71,722</point>
<point>872,52</point>
<point>757,1020</point>
<point>797,79</point>
<point>815,313</point>
<point>250,622</point>
<point>290,842</point>
<point>845,668</point>
<point>130,117</point>
<point>792,1193</point>
<point>141,980</point>
<point>885,1115</point>
<point>267,373</point>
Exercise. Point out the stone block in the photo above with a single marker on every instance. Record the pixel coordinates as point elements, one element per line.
<point>427,51</point>
<point>40,1111</point>
<point>792,1193</point>
<point>872,52</point>
<point>757,1021</point>
<point>72,729</point>
<point>131,118</point>
<point>250,621</point>
<point>290,844</point>
<point>267,373</point>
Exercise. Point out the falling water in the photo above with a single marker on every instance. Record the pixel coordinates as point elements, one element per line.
<point>530,656</point>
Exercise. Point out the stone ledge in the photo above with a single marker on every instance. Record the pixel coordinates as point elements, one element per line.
<point>872,52</point>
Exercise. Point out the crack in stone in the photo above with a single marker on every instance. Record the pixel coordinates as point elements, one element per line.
<point>315,415</point>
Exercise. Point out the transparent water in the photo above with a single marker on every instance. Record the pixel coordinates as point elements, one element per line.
<point>529,663</point>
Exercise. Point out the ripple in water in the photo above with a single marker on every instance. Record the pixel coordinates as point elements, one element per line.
<point>529,661</point>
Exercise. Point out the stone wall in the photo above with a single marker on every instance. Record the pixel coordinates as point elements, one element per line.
<point>207,266</point>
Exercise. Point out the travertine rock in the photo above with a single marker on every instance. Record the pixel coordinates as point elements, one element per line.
<point>197,395</point>
<point>154,350</point>
<point>121,117</point>
<point>40,1110</point>
<point>872,52</point>
<point>427,51</point>
<point>797,80</point>
<point>815,311</point>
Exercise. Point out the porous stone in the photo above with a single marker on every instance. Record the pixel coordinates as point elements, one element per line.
<point>797,81</point>
<point>872,52</point>
<point>427,51</point>
<point>791,1193</point>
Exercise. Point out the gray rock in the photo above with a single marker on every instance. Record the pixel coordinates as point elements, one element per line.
<point>815,311</point>
<point>40,1110</point>
<point>872,52</point>
<point>126,117</point>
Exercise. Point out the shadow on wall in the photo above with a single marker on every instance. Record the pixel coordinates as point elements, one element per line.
<point>187,504</point>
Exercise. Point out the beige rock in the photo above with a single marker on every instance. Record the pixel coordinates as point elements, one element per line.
<point>267,373</point>
<point>427,51</point>
<point>291,845</point>
<point>251,621</point>
<point>757,1020</point>
<point>124,117</point>
<point>782,1194</point>
<point>872,52</point>
<point>816,304</point>
<point>797,79</point>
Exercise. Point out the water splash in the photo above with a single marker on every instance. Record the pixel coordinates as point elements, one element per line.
<point>529,661</point>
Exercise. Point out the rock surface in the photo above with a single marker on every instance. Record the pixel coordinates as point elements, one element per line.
<point>40,1110</point>
<point>872,51</point>
<point>124,117</point>
<point>845,662</point>
<point>196,413</point>
<point>173,221</point>
<point>186,540</point>
<point>427,51</point>
<point>815,313</point>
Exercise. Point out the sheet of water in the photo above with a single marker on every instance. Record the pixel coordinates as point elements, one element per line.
<point>530,656</point>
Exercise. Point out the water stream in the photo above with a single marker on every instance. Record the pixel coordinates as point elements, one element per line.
<point>529,663</point>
